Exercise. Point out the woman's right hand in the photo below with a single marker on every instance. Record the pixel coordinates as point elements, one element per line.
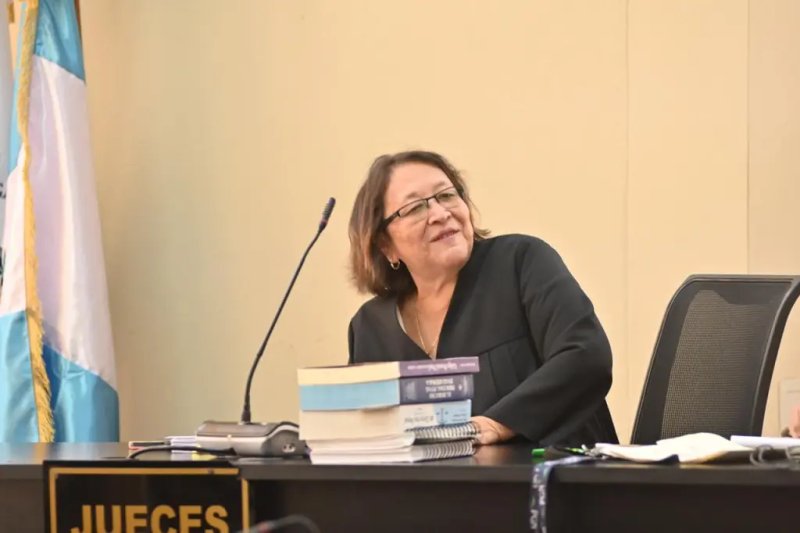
<point>794,422</point>
<point>490,431</point>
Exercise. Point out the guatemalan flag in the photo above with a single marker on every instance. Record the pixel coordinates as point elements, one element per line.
<point>57,378</point>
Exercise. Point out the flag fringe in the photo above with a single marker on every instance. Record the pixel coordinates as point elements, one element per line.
<point>41,383</point>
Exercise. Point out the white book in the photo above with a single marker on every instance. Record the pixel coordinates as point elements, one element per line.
<point>388,442</point>
<point>381,371</point>
<point>427,435</point>
<point>692,448</point>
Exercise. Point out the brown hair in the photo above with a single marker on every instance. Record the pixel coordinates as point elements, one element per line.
<point>370,268</point>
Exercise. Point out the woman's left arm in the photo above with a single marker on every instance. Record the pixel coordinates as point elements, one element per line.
<point>575,373</point>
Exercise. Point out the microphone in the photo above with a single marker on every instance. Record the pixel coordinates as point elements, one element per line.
<point>326,215</point>
<point>246,437</point>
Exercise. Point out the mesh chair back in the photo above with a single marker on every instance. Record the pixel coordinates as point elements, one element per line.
<point>712,364</point>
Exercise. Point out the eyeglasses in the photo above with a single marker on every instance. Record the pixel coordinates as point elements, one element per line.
<point>418,209</point>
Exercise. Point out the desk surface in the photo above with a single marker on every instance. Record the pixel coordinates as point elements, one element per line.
<point>501,464</point>
<point>487,492</point>
<point>23,461</point>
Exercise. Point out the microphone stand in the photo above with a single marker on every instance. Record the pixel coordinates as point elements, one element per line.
<point>271,439</point>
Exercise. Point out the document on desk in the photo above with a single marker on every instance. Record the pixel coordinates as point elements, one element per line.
<point>778,443</point>
<point>692,448</point>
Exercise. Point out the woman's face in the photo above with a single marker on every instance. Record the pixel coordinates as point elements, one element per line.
<point>433,241</point>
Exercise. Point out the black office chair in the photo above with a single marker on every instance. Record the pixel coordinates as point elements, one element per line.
<point>713,360</point>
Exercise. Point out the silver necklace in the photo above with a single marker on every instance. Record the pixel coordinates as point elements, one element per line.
<point>432,349</point>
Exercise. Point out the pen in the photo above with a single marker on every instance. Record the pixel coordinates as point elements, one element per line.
<point>539,452</point>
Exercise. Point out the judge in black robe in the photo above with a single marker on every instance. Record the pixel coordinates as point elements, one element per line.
<point>545,361</point>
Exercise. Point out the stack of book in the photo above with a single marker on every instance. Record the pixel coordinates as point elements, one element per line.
<point>400,411</point>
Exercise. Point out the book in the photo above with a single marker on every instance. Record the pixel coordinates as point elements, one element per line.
<point>363,372</point>
<point>406,454</point>
<point>387,442</point>
<point>429,435</point>
<point>367,423</point>
<point>386,393</point>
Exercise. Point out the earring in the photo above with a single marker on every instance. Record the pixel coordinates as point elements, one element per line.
<point>395,266</point>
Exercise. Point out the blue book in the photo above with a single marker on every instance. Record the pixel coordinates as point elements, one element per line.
<point>386,393</point>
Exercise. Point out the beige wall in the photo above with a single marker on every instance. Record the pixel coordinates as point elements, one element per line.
<point>687,158</point>
<point>645,139</point>
<point>774,163</point>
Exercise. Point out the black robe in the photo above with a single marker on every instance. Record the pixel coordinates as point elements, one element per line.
<point>545,361</point>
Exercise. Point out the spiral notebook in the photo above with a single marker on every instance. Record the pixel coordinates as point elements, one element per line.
<point>407,454</point>
<point>467,431</point>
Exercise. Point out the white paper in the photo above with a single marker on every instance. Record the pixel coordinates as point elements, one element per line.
<point>778,443</point>
<point>692,448</point>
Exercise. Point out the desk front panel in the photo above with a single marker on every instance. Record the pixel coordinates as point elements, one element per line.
<point>397,507</point>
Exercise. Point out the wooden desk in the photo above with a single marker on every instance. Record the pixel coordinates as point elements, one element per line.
<point>488,492</point>
<point>22,479</point>
<point>627,497</point>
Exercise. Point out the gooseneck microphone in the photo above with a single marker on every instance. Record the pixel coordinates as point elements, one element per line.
<point>326,215</point>
<point>249,438</point>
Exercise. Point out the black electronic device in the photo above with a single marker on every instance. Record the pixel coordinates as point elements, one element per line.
<point>270,439</point>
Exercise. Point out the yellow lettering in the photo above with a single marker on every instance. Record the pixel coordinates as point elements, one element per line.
<point>86,520</point>
<point>158,514</point>
<point>100,519</point>
<point>135,517</point>
<point>161,518</point>
<point>214,517</point>
<point>185,519</point>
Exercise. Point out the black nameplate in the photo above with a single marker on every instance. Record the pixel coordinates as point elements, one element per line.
<point>134,497</point>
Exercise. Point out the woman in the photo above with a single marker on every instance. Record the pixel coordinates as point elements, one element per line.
<point>443,288</point>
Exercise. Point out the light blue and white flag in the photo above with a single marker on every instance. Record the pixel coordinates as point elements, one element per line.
<point>57,377</point>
